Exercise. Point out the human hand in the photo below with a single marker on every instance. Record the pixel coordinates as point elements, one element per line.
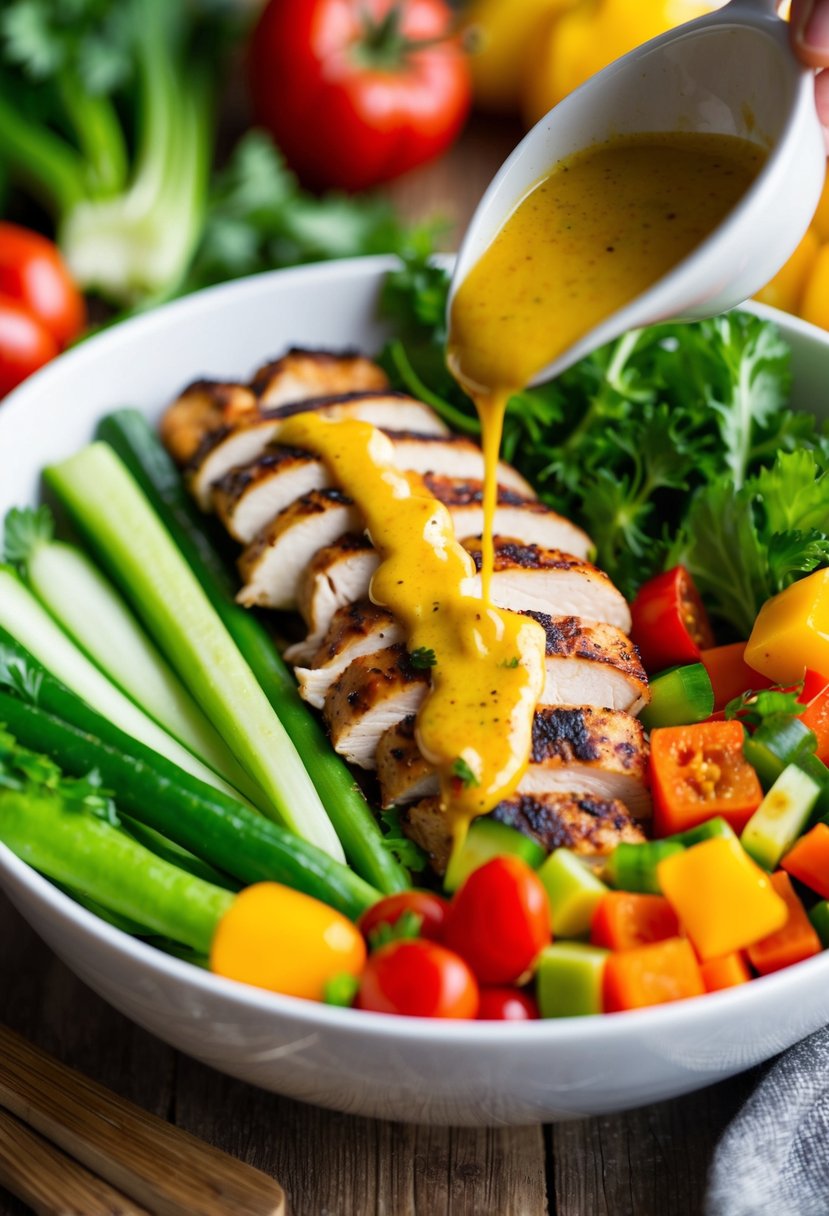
<point>809,24</point>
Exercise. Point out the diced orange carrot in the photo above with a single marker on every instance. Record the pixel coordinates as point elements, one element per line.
<point>624,920</point>
<point>808,860</point>
<point>651,975</point>
<point>729,673</point>
<point>791,944</point>
<point>725,972</point>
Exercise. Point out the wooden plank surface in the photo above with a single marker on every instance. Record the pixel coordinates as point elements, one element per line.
<point>650,1162</point>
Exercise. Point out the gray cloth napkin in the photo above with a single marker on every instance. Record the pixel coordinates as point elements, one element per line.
<point>774,1157</point>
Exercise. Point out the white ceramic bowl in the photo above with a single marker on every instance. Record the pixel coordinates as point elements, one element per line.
<point>396,1068</point>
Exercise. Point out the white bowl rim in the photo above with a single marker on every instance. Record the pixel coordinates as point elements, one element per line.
<point>741,1000</point>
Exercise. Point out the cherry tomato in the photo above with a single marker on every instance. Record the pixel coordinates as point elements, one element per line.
<point>431,909</point>
<point>355,93</point>
<point>25,344</point>
<point>670,625</point>
<point>33,272</point>
<point>419,979</point>
<point>499,920</point>
<point>506,1005</point>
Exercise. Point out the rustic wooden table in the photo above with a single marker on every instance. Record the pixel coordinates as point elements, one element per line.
<point>649,1162</point>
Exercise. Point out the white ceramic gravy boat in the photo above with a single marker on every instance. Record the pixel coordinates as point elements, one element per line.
<point>730,72</point>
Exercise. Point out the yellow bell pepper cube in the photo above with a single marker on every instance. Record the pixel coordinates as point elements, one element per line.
<point>786,289</point>
<point>791,632</point>
<point>820,220</point>
<point>724,901</point>
<point>814,306</point>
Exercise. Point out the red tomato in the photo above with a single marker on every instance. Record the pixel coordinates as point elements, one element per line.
<point>33,273</point>
<point>25,344</point>
<point>355,92</point>
<point>506,1005</point>
<point>670,624</point>
<point>499,920</point>
<point>418,979</point>
<point>431,909</point>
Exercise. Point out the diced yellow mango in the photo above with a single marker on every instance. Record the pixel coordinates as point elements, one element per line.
<point>814,305</point>
<point>786,289</point>
<point>724,901</point>
<point>820,221</point>
<point>791,632</point>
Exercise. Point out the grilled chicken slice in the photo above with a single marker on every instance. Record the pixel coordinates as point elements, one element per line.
<point>250,495</point>
<point>525,519</point>
<point>342,573</point>
<point>230,446</point>
<point>587,750</point>
<point>591,664</point>
<point>530,578</point>
<point>601,753</point>
<point>589,826</point>
<point>316,373</point>
<point>272,565</point>
<point>201,408</point>
<point>355,630</point>
<point>374,692</point>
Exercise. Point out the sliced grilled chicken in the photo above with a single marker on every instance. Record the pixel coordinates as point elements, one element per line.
<point>586,664</point>
<point>587,750</point>
<point>589,826</point>
<point>224,449</point>
<point>525,519</point>
<point>250,495</point>
<point>591,664</point>
<point>374,692</point>
<point>316,373</point>
<point>601,753</point>
<point>355,630</point>
<point>201,408</point>
<point>336,576</point>
<point>530,578</point>
<point>272,565</point>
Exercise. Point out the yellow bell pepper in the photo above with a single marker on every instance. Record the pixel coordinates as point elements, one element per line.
<point>501,36</point>
<point>278,938</point>
<point>571,46</point>
<point>724,901</point>
<point>814,305</point>
<point>787,287</point>
<point>820,220</point>
<point>791,632</point>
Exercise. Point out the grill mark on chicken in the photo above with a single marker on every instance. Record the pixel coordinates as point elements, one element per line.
<point>372,693</point>
<point>570,635</point>
<point>201,408</point>
<point>510,553</point>
<point>333,371</point>
<point>588,826</point>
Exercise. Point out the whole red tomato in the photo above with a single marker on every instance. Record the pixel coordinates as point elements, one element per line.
<point>419,979</point>
<point>506,1005</point>
<point>355,92</point>
<point>430,909</point>
<point>499,920</point>
<point>33,272</point>
<point>25,344</point>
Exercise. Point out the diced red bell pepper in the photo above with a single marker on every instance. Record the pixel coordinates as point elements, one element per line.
<point>670,624</point>
<point>815,696</point>
<point>698,772</point>
<point>729,673</point>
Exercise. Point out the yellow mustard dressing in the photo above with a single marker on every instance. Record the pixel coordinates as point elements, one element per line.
<point>488,665</point>
<point>600,229</point>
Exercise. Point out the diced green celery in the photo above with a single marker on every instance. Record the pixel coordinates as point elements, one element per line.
<point>632,867</point>
<point>573,891</point>
<point>678,696</point>
<point>780,817</point>
<point>487,838</point>
<point>569,980</point>
<point>779,741</point>
<point>819,916</point>
<point>711,829</point>
<point>819,773</point>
